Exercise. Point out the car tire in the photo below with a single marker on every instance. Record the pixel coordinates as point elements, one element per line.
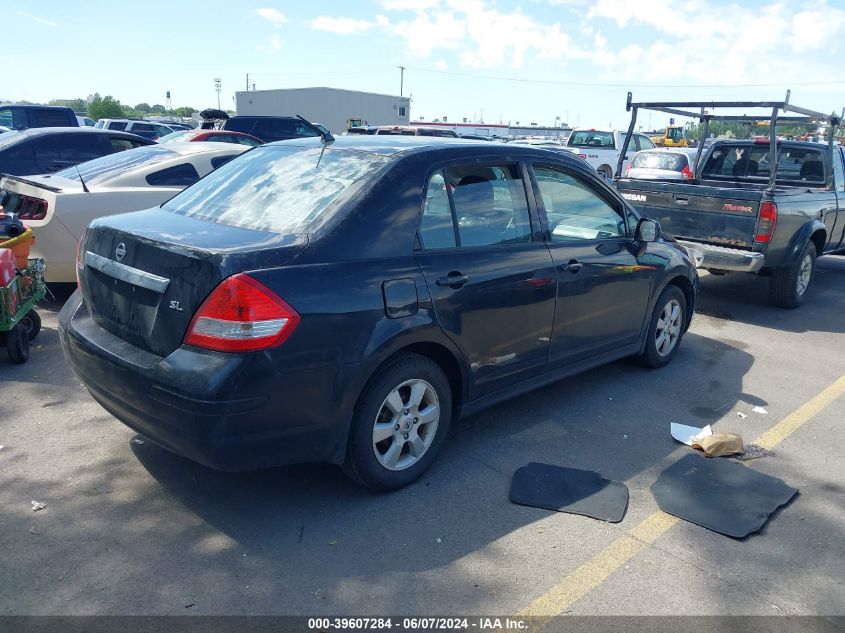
<point>788,286</point>
<point>17,344</point>
<point>665,328</point>
<point>32,324</point>
<point>605,171</point>
<point>406,408</point>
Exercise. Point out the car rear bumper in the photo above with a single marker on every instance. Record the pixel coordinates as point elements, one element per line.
<point>227,411</point>
<point>723,257</point>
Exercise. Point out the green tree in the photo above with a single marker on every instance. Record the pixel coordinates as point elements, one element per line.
<point>105,108</point>
<point>143,107</point>
<point>184,111</point>
<point>77,105</point>
<point>157,108</point>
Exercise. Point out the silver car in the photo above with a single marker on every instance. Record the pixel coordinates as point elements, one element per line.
<point>662,164</point>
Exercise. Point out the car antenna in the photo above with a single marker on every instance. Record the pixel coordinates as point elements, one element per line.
<point>326,136</point>
<point>84,186</point>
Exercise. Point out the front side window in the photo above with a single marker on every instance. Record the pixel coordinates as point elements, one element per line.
<point>643,142</point>
<point>13,118</point>
<point>575,211</point>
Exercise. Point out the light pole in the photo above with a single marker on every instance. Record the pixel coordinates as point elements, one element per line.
<point>218,87</point>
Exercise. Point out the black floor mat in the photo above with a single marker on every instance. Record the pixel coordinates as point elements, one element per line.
<point>720,495</point>
<point>569,490</point>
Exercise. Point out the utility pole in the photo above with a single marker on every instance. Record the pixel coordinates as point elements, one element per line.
<point>247,81</point>
<point>218,88</point>
<point>401,80</point>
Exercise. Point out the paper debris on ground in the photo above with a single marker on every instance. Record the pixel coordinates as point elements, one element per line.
<point>759,410</point>
<point>752,451</point>
<point>686,434</point>
<point>719,444</point>
<point>741,415</point>
<point>37,505</point>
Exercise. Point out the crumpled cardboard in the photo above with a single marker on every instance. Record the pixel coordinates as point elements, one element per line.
<point>719,444</point>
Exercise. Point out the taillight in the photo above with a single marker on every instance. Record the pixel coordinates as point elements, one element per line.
<point>686,172</point>
<point>241,315</point>
<point>766,222</point>
<point>627,171</point>
<point>31,208</point>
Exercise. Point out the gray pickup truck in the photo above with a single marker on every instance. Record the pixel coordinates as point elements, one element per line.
<point>740,215</point>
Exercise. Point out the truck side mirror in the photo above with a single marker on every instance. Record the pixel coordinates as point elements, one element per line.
<point>647,230</point>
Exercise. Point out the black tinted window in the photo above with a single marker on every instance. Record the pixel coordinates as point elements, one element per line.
<point>182,175</point>
<point>119,144</point>
<point>78,147</point>
<point>117,125</point>
<point>46,150</point>
<point>142,127</point>
<point>50,118</point>
<point>217,161</point>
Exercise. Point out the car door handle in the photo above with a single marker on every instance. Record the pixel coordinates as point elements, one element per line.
<point>453,279</point>
<point>573,266</point>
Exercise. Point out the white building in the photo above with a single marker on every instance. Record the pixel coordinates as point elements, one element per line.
<point>328,106</point>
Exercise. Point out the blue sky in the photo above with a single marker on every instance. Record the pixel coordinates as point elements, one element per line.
<point>525,61</point>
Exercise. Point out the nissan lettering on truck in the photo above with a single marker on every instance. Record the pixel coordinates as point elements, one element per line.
<point>766,206</point>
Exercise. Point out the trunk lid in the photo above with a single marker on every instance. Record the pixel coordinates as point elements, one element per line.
<point>143,275</point>
<point>702,213</point>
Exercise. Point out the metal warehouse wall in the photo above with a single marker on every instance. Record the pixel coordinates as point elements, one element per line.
<point>328,106</point>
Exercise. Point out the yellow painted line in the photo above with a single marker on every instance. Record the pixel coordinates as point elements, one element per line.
<point>596,570</point>
<point>800,416</point>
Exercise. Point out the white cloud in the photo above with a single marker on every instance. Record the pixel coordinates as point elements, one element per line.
<point>38,19</point>
<point>410,5</point>
<point>343,26</point>
<point>276,41</point>
<point>273,15</point>
<point>441,64</point>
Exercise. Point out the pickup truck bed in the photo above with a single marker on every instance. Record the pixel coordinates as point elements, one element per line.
<point>736,223</point>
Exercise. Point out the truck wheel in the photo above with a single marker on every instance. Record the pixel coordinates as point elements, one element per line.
<point>400,423</point>
<point>788,286</point>
<point>17,344</point>
<point>665,328</point>
<point>32,324</point>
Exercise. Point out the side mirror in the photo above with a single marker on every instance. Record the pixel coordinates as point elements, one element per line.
<point>647,230</point>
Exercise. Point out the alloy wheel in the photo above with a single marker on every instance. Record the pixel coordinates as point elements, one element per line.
<point>805,272</point>
<point>406,424</point>
<point>668,329</point>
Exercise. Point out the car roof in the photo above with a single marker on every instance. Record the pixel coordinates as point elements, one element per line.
<point>389,145</point>
<point>223,132</point>
<point>31,106</point>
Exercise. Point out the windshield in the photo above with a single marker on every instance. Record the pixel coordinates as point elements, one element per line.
<point>675,133</point>
<point>280,189</point>
<point>659,160</point>
<point>103,169</point>
<point>591,138</point>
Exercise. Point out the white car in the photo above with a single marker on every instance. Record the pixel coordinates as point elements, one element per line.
<point>663,163</point>
<point>60,206</point>
<point>601,148</point>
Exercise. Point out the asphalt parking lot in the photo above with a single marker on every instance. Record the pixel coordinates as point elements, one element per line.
<point>129,528</point>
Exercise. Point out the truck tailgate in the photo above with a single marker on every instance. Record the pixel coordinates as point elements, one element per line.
<point>717,215</point>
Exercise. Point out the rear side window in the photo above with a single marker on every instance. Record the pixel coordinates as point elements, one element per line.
<point>78,148</point>
<point>51,118</point>
<point>281,189</point>
<point>574,210</point>
<point>183,175</point>
<point>142,127</point>
<point>117,125</point>
<point>489,204</point>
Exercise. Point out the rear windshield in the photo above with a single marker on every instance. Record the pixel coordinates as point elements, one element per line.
<point>101,170</point>
<point>752,163</point>
<point>587,138</point>
<point>660,160</point>
<point>280,189</point>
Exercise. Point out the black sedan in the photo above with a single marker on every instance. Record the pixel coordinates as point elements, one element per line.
<point>45,150</point>
<point>346,302</point>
